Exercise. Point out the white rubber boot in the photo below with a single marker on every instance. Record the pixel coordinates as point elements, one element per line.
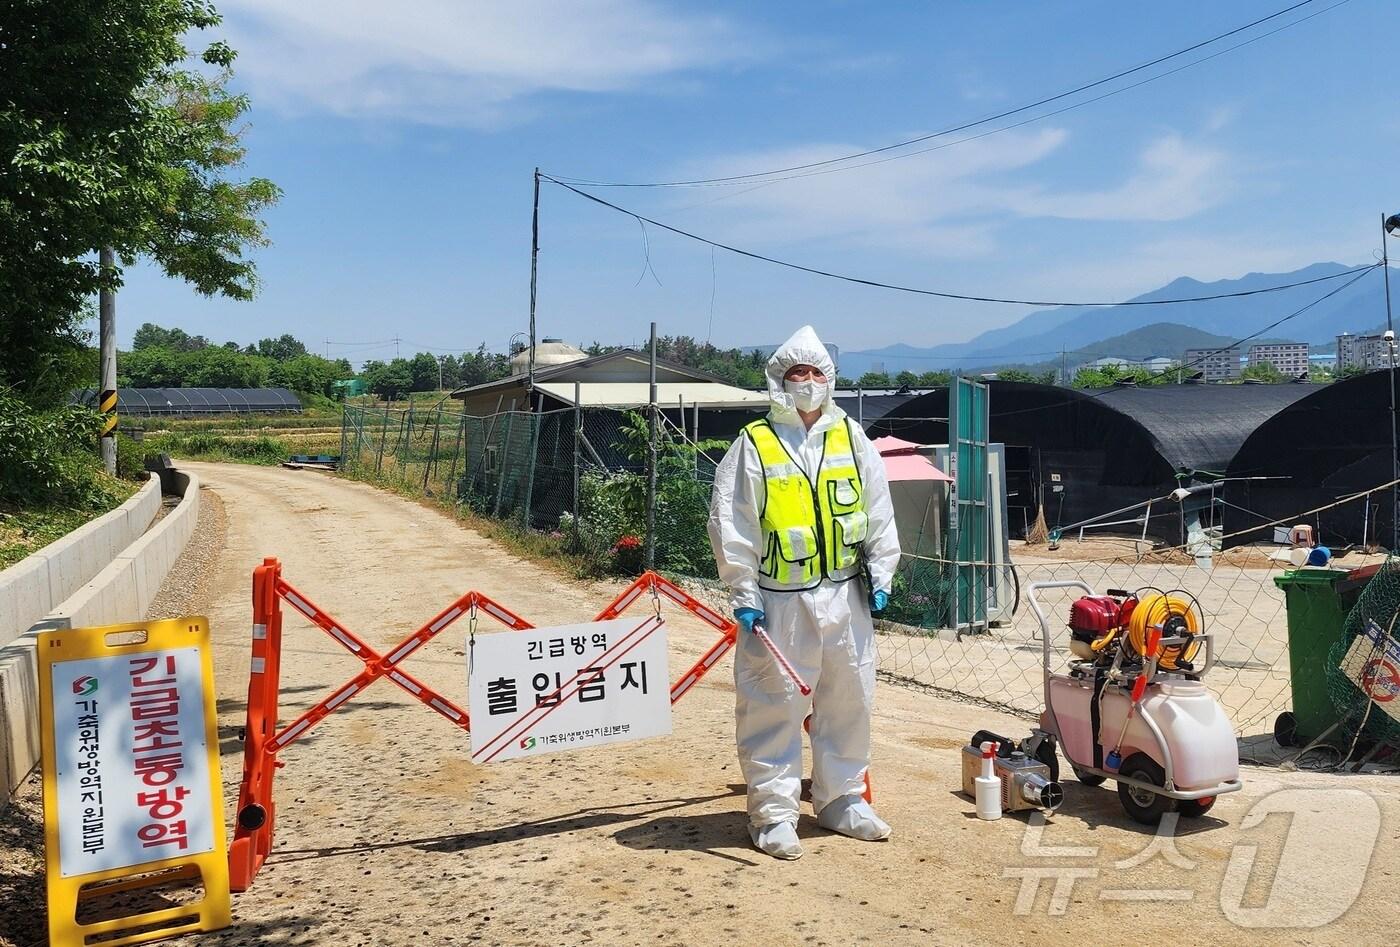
<point>778,840</point>
<point>853,816</point>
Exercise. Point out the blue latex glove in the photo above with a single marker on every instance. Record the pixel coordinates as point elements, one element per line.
<point>748,617</point>
<point>878,600</point>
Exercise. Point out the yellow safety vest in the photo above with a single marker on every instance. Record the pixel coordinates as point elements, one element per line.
<point>810,531</point>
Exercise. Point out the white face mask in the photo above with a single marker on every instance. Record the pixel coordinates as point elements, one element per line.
<point>807,395</point>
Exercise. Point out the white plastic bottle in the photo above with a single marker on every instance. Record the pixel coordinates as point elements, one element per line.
<point>988,786</point>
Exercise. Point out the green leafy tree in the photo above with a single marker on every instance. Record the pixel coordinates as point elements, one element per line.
<point>1263,371</point>
<point>875,380</point>
<point>481,366</point>
<point>150,336</point>
<point>111,136</point>
<point>214,367</point>
<point>935,379</point>
<point>424,369</point>
<point>392,380</point>
<point>281,349</point>
<point>906,379</point>
<point>155,367</point>
<point>1047,377</point>
<point>310,373</point>
<point>1110,375</point>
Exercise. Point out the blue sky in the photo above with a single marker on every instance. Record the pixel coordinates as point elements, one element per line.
<point>405,134</point>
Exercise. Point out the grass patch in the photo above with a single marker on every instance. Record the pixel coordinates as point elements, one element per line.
<point>258,449</point>
<point>26,531</point>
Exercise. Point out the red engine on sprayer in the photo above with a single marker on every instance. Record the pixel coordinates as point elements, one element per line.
<point>1095,622</point>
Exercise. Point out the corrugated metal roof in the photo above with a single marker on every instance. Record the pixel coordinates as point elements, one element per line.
<point>630,394</point>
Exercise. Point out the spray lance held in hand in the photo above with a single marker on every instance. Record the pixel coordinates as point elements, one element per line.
<point>788,669</point>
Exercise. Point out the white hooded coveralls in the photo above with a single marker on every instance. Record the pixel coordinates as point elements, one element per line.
<point>825,632</point>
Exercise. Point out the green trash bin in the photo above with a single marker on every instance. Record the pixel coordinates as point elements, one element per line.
<point>1317,614</point>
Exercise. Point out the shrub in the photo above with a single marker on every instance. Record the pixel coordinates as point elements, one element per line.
<point>613,507</point>
<point>51,457</point>
<point>201,445</point>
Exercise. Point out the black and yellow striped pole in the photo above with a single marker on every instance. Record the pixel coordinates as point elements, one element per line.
<point>108,406</point>
<point>107,333</point>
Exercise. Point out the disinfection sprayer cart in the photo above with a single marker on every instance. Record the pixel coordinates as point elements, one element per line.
<point>1133,708</point>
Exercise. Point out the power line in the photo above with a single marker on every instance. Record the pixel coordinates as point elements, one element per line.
<point>751,176</point>
<point>939,293</point>
<point>1005,128</point>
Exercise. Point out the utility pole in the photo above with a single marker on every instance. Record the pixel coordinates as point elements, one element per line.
<point>396,346</point>
<point>1064,369</point>
<point>107,334</point>
<point>649,551</point>
<point>1390,354</point>
<point>534,276</point>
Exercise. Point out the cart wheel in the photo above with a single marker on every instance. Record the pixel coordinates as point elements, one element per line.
<point>1088,779</point>
<point>1195,808</point>
<point>1045,754</point>
<point>1286,729</point>
<point>1144,805</point>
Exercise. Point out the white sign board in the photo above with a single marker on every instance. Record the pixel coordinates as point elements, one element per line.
<point>551,689</point>
<point>1372,663</point>
<point>131,760</point>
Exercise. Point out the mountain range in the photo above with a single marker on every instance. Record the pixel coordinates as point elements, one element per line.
<point>1139,331</point>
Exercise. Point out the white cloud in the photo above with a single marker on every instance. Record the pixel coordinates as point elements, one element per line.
<point>949,203</point>
<point>1175,179</point>
<point>930,205</point>
<point>450,62</point>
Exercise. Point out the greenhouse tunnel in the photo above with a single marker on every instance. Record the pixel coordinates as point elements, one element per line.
<point>1334,443</point>
<point>1081,454</point>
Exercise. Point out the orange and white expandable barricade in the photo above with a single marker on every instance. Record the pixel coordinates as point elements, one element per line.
<point>263,739</point>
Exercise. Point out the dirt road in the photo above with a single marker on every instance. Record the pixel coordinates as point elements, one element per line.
<point>388,835</point>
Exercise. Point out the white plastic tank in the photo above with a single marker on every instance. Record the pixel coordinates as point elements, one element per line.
<point>547,352</point>
<point>1201,738</point>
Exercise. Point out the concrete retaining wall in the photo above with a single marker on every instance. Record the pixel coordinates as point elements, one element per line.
<point>120,591</point>
<point>31,589</point>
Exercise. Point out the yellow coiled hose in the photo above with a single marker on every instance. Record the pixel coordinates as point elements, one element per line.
<point>1176,618</point>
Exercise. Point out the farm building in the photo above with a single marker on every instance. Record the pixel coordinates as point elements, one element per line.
<point>520,444</point>
<point>1082,454</point>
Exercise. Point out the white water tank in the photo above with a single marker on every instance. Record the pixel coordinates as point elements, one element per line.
<point>548,352</point>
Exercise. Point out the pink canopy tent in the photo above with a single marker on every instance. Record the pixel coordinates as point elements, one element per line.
<point>904,462</point>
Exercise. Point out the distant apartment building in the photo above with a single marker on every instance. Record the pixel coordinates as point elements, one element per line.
<point>1156,363</point>
<point>1289,358</point>
<point>1215,364</point>
<point>1367,352</point>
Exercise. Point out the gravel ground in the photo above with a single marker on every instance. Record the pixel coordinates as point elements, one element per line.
<point>186,591</point>
<point>187,587</point>
<point>388,835</point>
<point>22,921</point>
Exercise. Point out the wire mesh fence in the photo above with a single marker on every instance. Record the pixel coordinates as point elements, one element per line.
<point>583,475</point>
<point>1003,664</point>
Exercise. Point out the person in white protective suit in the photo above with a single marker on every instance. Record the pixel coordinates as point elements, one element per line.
<point>804,535</point>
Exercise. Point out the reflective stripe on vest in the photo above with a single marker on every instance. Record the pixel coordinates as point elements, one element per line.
<point>810,531</point>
